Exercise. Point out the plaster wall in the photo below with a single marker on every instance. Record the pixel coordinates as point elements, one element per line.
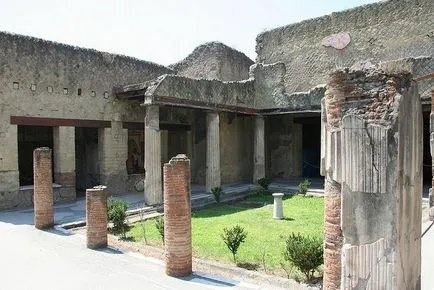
<point>236,147</point>
<point>283,146</point>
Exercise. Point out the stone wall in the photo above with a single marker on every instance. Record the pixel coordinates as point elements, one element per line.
<point>371,33</point>
<point>45,79</point>
<point>283,146</point>
<point>214,60</point>
<point>236,147</point>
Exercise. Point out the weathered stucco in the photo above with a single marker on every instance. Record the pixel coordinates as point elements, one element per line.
<point>178,90</point>
<point>214,60</point>
<point>381,31</point>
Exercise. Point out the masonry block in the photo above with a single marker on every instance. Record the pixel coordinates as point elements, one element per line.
<point>177,216</point>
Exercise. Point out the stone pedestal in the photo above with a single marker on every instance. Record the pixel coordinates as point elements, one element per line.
<point>96,217</point>
<point>153,187</point>
<point>278,206</point>
<point>372,130</point>
<point>177,216</point>
<point>258,149</point>
<point>43,190</point>
<point>212,151</point>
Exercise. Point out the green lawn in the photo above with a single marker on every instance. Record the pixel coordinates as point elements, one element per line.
<point>303,215</point>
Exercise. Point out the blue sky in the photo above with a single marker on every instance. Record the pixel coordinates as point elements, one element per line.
<point>162,31</point>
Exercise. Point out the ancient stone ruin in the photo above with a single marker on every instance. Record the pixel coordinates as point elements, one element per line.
<point>372,160</point>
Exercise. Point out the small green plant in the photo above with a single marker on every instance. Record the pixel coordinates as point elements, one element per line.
<point>217,192</point>
<point>116,214</point>
<point>233,238</point>
<point>159,224</point>
<point>142,223</point>
<point>264,182</point>
<point>305,253</point>
<point>303,187</point>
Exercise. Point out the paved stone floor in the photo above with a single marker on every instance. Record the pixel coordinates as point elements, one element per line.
<point>54,259</point>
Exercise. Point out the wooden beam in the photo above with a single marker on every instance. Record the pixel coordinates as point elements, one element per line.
<point>55,122</point>
<point>425,77</point>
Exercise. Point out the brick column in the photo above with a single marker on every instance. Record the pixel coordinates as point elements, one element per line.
<point>43,188</point>
<point>258,149</point>
<point>332,235</point>
<point>177,216</point>
<point>153,188</point>
<point>96,217</point>
<point>212,151</point>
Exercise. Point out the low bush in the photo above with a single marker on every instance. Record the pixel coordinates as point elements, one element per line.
<point>233,238</point>
<point>264,182</point>
<point>305,253</point>
<point>217,192</point>
<point>303,187</point>
<point>159,224</point>
<point>117,214</point>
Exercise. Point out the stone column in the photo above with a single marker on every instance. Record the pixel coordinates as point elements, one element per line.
<point>177,216</point>
<point>153,187</point>
<point>64,161</point>
<point>212,151</point>
<point>43,188</point>
<point>113,154</point>
<point>96,217</point>
<point>431,129</point>
<point>9,175</point>
<point>372,123</point>
<point>258,149</point>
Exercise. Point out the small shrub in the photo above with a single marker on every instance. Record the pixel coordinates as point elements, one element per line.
<point>117,213</point>
<point>217,192</point>
<point>305,253</point>
<point>264,182</point>
<point>159,224</point>
<point>303,187</point>
<point>233,238</point>
<point>142,222</point>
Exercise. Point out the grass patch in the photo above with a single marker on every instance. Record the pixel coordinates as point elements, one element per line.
<point>302,215</point>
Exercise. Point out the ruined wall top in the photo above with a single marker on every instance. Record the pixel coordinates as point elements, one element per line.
<point>49,79</point>
<point>214,60</point>
<point>371,33</point>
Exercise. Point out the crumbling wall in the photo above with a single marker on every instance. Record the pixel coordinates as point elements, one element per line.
<point>214,60</point>
<point>310,49</point>
<point>45,79</point>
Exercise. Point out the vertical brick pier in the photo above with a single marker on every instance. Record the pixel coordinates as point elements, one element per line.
<point>43,188</point>
<point>96,217</point>
<point>177,216</point>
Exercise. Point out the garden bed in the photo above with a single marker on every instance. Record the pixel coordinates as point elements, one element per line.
<point>266,237</point>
